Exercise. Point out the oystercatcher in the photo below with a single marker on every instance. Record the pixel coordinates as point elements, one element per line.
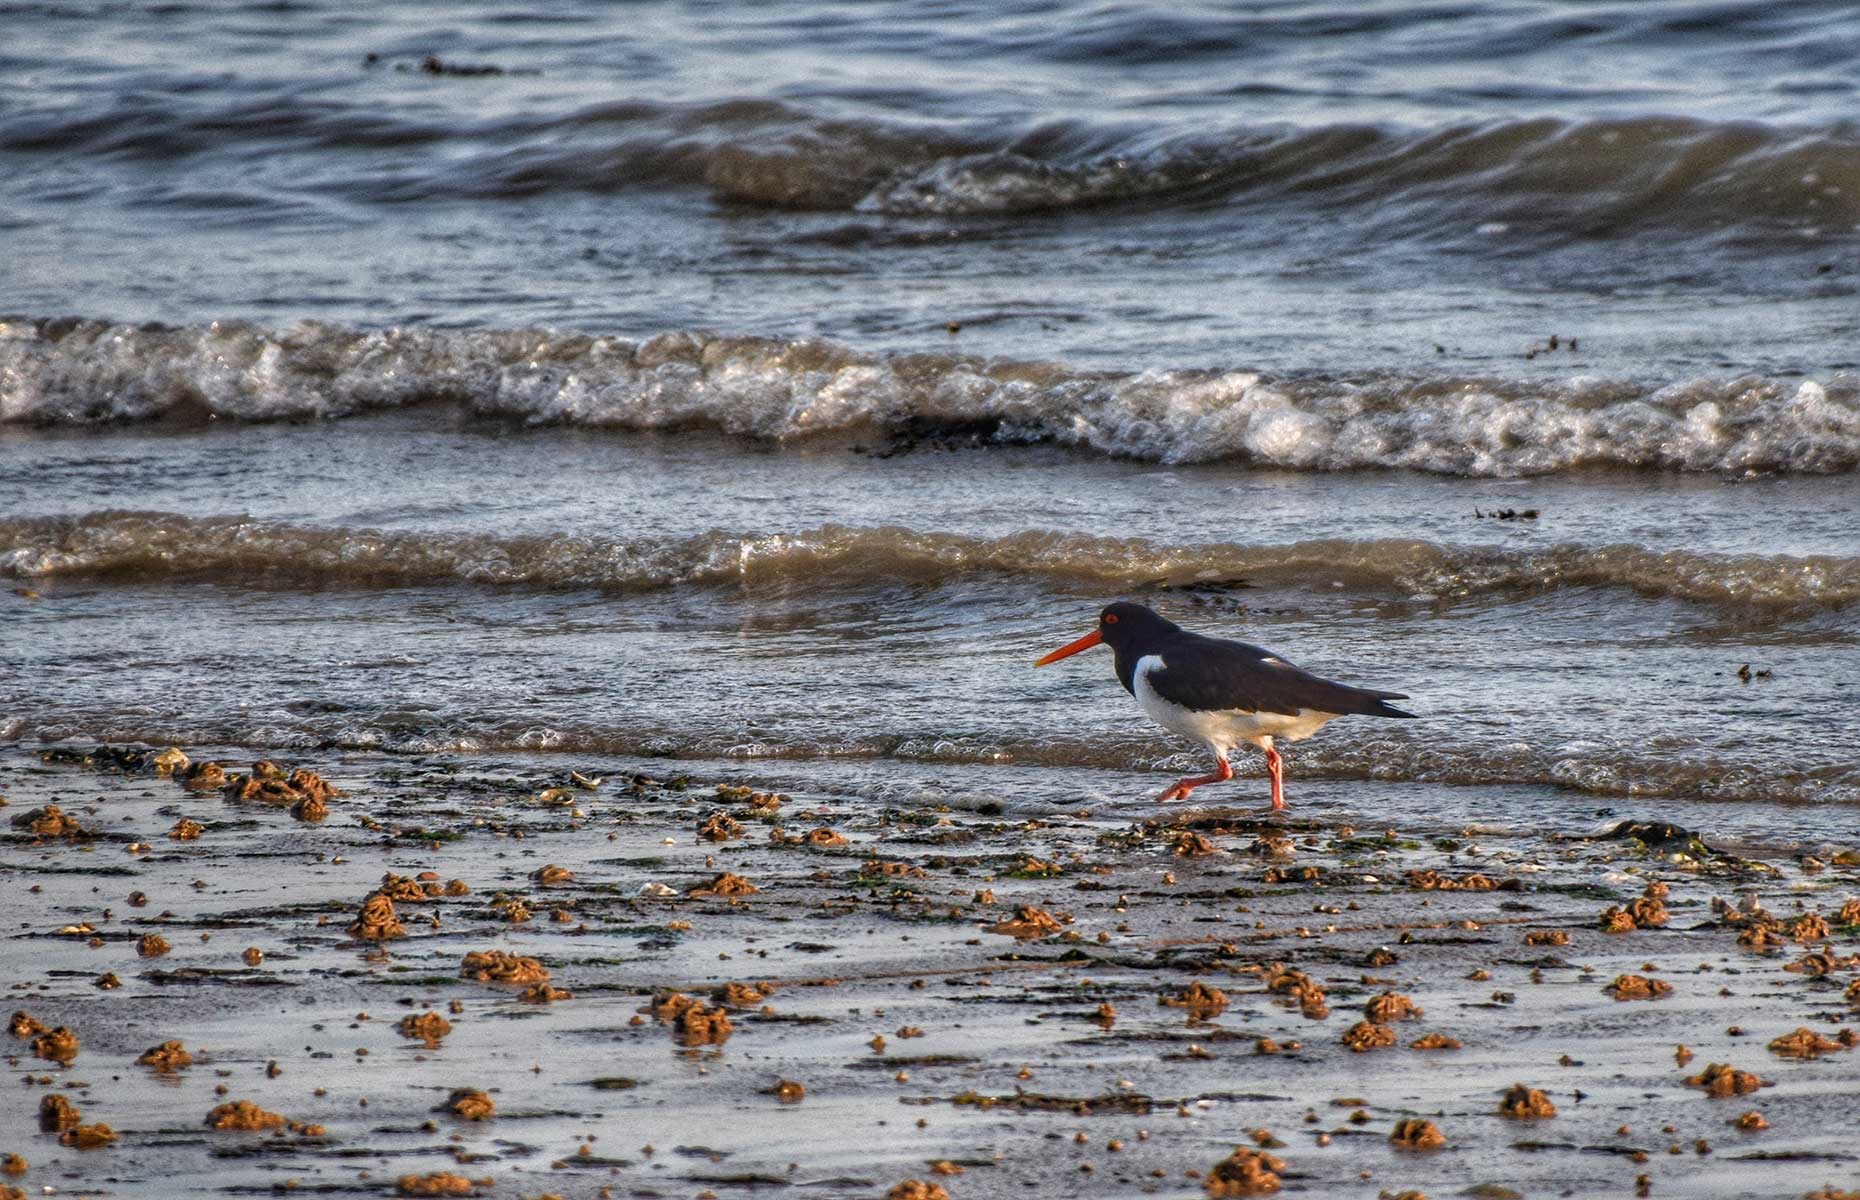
<point>1220,693</point>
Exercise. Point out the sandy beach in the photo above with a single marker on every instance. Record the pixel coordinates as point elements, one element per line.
<point>750,993</point>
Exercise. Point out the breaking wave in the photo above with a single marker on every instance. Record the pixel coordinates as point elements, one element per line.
<point>137,545</point>
<point>70,371</point>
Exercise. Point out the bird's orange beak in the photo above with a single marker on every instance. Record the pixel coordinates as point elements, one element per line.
<point>1085,643</point>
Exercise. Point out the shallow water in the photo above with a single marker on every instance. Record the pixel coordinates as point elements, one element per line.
<point>779,385</point>
<point>414,583</point>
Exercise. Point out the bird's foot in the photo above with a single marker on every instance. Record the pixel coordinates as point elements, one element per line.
<point>1222,773</point>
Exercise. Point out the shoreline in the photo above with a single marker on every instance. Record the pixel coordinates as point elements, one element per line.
<point>997,1054</point>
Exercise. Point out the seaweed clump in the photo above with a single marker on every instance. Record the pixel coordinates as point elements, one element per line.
<point>725,884</point>
<point>439,1183</point>
<point>57,1113</point>
<point>1389,1007</point>
<point>1368,1035</point>
<point>1416,1133</point>
<point>1189,844</point>
<point>59,1045</point>
<point>243,1115</point>
<point>167,1057</point>
<point>1722,1079</point>
<point>50,821</point>
<point>498,966</point>
<point>88,1137</point>
<point>469,1104</point>
<point>1806,1043</point>
<point>1299,989</point>
<point>426,1027</point>
<point>1522,1103</point>
<point>1245,1172</point>
<point>1646,912</point>
<point>1430,880</point>
<point>917,1189</point>
<point>1202,1001</point>
<point>1028,924</point>
<point>693,1023</point>
<point>377,920</point>
<point>1638,987</point>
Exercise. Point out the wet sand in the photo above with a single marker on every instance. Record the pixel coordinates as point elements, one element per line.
<point>991,1004</point>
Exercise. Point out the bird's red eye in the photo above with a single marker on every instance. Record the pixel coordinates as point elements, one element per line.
<point>1110,618</point>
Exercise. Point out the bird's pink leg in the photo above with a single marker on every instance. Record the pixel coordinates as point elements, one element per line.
<point>1184,786</point>
<point>1275,766</point>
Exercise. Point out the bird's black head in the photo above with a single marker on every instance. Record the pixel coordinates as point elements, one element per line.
<point>1120,626</point>
<point>1126,624</point>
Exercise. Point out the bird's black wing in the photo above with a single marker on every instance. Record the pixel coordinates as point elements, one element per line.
<point>1210,675</point>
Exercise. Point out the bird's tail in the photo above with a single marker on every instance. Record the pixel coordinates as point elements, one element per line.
<point>1377,704</point>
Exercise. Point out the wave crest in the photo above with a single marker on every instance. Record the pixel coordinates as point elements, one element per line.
<point>163,545</point>
<point>71,371</point>
<point>1593,177</point>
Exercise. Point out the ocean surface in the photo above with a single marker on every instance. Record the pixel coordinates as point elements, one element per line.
<point>770,385</point>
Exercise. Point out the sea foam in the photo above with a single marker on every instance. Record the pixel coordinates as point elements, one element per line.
<point>76,372</point>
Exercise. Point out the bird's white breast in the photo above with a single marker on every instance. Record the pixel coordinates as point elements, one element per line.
<point>1221,729</point>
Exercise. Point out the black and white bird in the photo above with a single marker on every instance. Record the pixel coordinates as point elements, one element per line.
<point>1220,693</point>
